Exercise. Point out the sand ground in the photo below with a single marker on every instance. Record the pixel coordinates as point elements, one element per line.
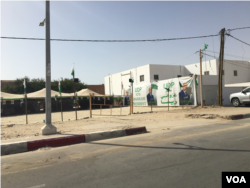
<point>15,127</point>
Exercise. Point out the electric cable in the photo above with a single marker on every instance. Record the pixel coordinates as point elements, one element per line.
<point>78,40</point>
<point>238,39</point>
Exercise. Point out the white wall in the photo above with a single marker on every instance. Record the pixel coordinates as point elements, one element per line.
<point>117,79</point>
<point>210,83</point>
<point>166,71</point>
<point>243,71</point>
<point>211,66</point>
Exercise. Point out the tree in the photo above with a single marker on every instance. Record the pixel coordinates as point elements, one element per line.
<point>67,85</point>
<point>37,84</point>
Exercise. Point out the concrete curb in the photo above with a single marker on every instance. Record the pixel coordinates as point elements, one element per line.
<point>24,146</point>
<point>240,116</point>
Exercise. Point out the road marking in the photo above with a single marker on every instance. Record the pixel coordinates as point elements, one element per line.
<point>38,186</point>
<point>242,138</point>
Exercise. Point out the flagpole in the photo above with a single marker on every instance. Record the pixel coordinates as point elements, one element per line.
<point>24,84</point>
<point>61,107</point>
<point>74,91</point>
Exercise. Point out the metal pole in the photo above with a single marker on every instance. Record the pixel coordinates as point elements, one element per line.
<point>26,108</point>
<point>90,105</point>
<point>61,108</point>
<point>168,97</point>
<point>196,90</point>
<point>132,99</point>
<point>201,81</point>
<point>75,95</point>
<point>48,128</point>
<point>48,66</point>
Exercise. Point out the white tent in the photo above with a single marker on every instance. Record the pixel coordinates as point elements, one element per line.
<point>10,96</point>
<point>42,94</point>
<point>86,92</point>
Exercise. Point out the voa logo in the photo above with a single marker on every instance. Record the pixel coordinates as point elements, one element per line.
<point>235,179</point>
<point>138,89</point>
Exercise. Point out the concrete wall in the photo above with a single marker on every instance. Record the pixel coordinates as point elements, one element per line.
<point>210,82</point>
<point>211,66</point>
<point>166,71</point>
<point>243,71</point>
<point>97,88</point>
<point>115,87</point>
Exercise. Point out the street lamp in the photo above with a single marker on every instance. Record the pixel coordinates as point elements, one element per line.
<point>48,128</point>
<point>42,23</point>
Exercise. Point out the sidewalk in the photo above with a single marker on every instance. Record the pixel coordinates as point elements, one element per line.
<point>12,127</point>
<point>19,145</point>
<point>21,137</point>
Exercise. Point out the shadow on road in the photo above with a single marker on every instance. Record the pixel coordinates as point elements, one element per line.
<point>176,148</point>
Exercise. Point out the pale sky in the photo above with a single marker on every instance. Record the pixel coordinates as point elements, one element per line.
<point>116,20</point>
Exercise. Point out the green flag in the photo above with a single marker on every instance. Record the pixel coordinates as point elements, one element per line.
<point>59,86</point>
<point>180,84</point>
<point>154,86</point>
<point>205,46</point>
<point>73,71</point>
<point>24,84</point>
<point>196,82</point>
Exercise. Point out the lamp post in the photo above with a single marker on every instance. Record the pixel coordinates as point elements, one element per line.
<point>48,128</point>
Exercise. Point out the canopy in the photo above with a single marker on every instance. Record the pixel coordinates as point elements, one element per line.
<point>42,94</point>
<point>86,92</point>
<point>11,96</point>
<point>245,84</point>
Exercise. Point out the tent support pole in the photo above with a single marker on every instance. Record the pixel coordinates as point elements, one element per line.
<point>90,105</point>
<point>75,96</point>
<point>26,108</point>
<point>61,108</point>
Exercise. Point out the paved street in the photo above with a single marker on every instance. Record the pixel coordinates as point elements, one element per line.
<point>187,157</point>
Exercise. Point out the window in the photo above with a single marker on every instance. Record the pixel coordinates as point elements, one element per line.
<point>141,78</point>
<point>98,91</point>
<point>235,72</point>
<point>206,72</point>
<point>178,76</point>
<point>156,77</point>
<point>247,90</point>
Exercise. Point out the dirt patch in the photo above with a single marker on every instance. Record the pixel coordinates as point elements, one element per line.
<point>207,116</point>
<point>15,127</point>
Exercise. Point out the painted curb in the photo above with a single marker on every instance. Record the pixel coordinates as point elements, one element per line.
<point>55,142</point>
<point>24,146</point>
<point>240,116</point>
<point>104,135</point>
<point>135,130</point>
<point>12,148</point>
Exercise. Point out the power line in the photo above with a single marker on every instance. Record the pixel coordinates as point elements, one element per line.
<point>229,54</point>
<point>227,60</point>
<point>184,58</point>
<point>238,28</point>
<point>238,39</point>
<point>78,40</point>
<point>147,40</point>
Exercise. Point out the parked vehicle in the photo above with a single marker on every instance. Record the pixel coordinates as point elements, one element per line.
<point>240,98</point>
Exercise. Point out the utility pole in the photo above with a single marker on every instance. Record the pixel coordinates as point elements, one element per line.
<point>201,96</point>
<point>222,42</point>
<point>48,128</point>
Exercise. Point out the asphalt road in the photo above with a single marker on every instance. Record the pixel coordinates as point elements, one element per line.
<point>176,158</point>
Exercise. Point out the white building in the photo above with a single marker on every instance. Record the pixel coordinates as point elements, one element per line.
<point>234,72</point>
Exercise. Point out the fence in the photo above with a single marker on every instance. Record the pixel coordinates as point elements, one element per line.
<point>111,102</point>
